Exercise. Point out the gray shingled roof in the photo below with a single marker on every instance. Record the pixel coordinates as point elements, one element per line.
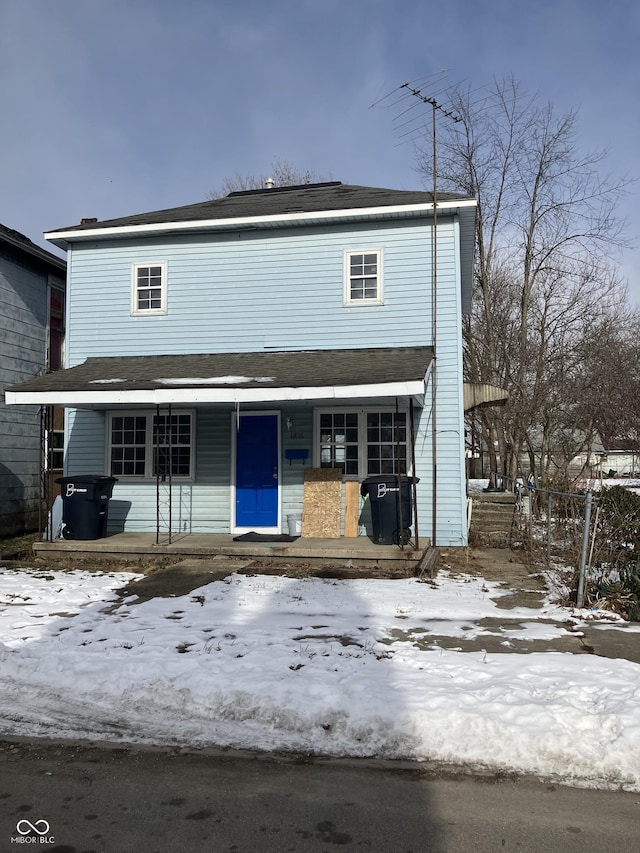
<point>17,243</point>
<point>318,368</point>
<point>307,198</point>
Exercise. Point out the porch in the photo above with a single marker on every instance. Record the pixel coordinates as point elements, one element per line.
<point>357,551</point>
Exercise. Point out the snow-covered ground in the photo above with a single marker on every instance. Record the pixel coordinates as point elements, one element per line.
<point>319,666</point>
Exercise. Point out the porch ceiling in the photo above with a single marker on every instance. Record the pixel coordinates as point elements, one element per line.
<point>245,377</point>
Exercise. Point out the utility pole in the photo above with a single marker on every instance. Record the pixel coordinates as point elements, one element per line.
<point>435,107</point>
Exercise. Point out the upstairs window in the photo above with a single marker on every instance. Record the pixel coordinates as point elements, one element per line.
<point>363,277</point>
<point>149,289</point>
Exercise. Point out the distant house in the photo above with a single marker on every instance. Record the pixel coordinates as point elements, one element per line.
<point>217,352</point>
<point>32,300</point>
<point>622,457</point>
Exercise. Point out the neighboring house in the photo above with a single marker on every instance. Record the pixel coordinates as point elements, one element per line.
<point>622,456</point>
<point>217,351</point>
<point>32,293</point>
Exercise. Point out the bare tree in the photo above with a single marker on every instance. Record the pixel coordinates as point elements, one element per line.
<point>547,234</point>
<point>282,173</point>
<point>610,379</point>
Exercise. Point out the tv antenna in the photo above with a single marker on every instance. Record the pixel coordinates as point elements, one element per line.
<point>435,108</point>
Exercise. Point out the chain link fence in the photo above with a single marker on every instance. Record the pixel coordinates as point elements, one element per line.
<point>558,527</point>
<point>588,541</point>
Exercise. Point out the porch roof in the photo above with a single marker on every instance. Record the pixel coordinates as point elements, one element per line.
<point>241,377</point>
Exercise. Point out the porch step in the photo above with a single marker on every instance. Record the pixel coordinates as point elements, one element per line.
<point>128,547</point>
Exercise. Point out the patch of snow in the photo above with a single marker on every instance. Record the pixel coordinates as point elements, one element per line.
<point>216,380</point>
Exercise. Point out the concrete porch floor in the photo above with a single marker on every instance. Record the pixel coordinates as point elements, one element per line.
<point>357,551</point>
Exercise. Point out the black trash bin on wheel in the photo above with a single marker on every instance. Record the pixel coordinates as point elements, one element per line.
<point>391,499</point>
<point>85,505</point>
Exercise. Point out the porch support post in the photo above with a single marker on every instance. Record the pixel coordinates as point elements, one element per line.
<point>414,487</point>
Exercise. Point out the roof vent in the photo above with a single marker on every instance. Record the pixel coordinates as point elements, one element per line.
<point>88,220</point>
<point>269,184</point>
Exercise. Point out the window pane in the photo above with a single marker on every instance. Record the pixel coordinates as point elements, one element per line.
<point>339,441</point>
<point>149,288</point>
<point>128,445</point>
<point>386,443</point>
<point>172,445</point>
<point>363,276</point>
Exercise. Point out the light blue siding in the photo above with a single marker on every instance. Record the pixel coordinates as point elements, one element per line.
<point>451,529</point>
<point>282,290</point>
<point>201,506</point>
<point>248,291</point>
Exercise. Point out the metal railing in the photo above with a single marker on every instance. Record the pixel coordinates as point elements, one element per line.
<point>553,522</point>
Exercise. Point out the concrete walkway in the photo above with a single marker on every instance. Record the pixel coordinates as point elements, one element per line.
<point>525,588</point>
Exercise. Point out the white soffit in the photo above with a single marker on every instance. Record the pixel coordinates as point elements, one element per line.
<point>192,395</point>
<point>284,219</point>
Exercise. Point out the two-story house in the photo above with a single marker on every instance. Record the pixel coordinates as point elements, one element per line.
<point>217,351</point>
<point>32,297</point>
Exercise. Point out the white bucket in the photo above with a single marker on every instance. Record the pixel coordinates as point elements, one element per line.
<point>295,524</point>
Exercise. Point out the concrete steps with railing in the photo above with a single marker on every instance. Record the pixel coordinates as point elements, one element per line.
<point>492,514</point>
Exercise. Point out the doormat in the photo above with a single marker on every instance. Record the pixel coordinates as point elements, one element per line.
<point>265,537</point>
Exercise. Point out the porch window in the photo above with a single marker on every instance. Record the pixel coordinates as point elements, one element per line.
<point>146,446</point>
<point>149,289</point>
<point>386,443</point>
<point>54,457</point>
<point>339,441</point>
<point>172,445</point>
<point>363,277</point>
<point>362,443</point>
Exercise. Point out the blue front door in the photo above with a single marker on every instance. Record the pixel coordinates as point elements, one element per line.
<point>257,472</point>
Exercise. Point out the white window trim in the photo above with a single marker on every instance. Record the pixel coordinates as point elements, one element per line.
<point>145,312</point>
<point>347,277</point>
<point>362,435</point>
<point>148,461</point>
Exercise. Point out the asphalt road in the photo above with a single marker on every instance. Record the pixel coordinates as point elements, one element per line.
<point>80,798</point>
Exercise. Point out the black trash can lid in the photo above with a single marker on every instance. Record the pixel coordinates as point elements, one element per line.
<point>386,480</point>
<point>390,478</point>
<point>87,478</point>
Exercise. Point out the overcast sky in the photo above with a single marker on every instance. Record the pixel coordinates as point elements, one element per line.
<point>115,107</point>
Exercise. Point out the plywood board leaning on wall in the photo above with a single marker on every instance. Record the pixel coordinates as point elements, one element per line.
<point>351,507</point>
<point>322,503</point>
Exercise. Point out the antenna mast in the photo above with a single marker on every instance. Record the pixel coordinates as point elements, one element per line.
<point>435,106</point>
